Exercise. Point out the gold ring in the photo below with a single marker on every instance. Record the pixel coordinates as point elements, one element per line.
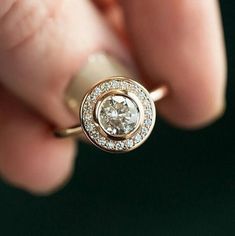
<point>117,114</point>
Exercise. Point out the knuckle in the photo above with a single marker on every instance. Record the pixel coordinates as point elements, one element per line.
<point>21,20</point>
<point>6,5</point>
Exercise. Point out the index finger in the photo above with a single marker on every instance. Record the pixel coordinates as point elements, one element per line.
<point>181,43</point>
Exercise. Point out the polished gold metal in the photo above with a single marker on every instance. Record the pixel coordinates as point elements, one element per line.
<point>159,93</point>
<point>99,66</point>
<point>156,95</point>
<point>69,132</point>
<point>100,69</point>
<point>125,142</point>
<point>125,94</point>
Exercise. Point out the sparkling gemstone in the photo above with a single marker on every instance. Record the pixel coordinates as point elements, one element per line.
<point>120,145</point>
<point>110,145</point>
<point>148,112</point>
<point>115,84</point>
<point>144,131</point>
<point>89,126</point>
<point>97,91</point>
<point>87,116</point>
<point>105,86</point>
<point>138,138</point>
<point>94,134</point>
<point>102,141</point>
<point>148,122</point>
<point>142,96</point>
<point>124,85</point>
<point>118,115</point>
<point>129,143</point>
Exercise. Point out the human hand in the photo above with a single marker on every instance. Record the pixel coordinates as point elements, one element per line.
<point>43,43</point>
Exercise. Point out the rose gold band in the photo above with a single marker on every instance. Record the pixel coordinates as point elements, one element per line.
<point>159,93</point>
<point>113,110</point>
<point>156,95</point>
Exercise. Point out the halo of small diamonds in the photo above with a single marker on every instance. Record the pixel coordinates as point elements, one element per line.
<point>125,87</point>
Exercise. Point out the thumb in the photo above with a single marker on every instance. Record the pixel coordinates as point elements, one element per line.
<point>43,43</point>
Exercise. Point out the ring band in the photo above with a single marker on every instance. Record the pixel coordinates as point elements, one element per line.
<point>156,95</point>
<point>117,114</point>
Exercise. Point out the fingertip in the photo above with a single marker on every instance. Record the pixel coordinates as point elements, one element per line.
<point>31,157</point>
<point>40,173</point>
<point>182,47</point>
<point>215,113</point>
<point>202,116</point>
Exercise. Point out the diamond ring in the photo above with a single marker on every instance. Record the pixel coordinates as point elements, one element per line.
<point>117,114</point>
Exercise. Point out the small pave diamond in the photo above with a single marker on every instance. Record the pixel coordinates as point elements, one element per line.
<point>129,143</point>
<point>94,134</point>
<point>102,141</point>
<point>120,145</point>
<point>110,145</point>
<point>115,84</point>
<point>148,122</point>
<point>89,126</point>
<point>148,112</point>
<point>117,121</point>
<point>138,138</point>
<point>144,131</point>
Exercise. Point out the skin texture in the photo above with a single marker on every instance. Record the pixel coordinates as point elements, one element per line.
<point>43,43</point>
<point>183,46</point>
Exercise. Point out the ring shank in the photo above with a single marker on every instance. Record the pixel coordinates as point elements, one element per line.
<point>159,93</point>
<point>69,132</point>
<point>156,95</point>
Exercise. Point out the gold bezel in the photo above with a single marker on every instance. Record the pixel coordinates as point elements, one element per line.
<point>129,94</point>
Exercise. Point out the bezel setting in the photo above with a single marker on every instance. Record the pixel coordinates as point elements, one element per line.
<point>90,120</point>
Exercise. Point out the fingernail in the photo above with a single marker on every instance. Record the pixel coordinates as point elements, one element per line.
<point>98,66</point>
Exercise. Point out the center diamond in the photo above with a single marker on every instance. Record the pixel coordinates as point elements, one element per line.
<point>118,115</point>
